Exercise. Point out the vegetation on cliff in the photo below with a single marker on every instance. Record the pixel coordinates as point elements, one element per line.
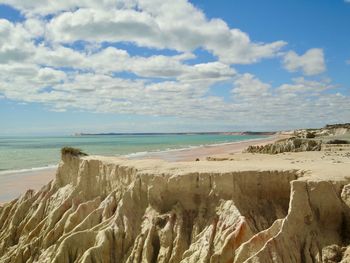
<point>72,151</point>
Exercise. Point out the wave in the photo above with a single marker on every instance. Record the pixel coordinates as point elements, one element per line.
<point>26,170</point>
<point>140,154</point>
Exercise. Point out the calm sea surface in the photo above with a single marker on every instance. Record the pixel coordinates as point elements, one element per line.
<point>22,153</point>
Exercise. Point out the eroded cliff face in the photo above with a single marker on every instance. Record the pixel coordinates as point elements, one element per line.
<point>286,145</point>
<point>98,210</point>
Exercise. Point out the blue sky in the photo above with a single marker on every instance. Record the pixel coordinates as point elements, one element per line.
<point>164,66</point>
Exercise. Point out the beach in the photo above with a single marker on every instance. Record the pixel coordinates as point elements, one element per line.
<point>201,152</point>
<point>264,204</point>
<point>207,197</point>
<point>12,185</point>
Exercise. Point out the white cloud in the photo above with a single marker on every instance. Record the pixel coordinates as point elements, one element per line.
<point>301,85</point>
<point>49,76</point>
<point>311,63</point>
<point>159,24</point>
<point>300,103</point>
<point>153,23</point>
<point>247,85</point>
<point>15,43</point>
<point>22,81</point>
<point>112,60</point>
<point>58,56</point>
<point>167,24</point>
<point>44,7</point>
<point>40,63</point>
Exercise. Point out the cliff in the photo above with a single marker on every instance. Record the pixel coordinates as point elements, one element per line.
<point>327,131</point>
<point>308,140</point>
<point>249,209</point>
<point>286,145</point>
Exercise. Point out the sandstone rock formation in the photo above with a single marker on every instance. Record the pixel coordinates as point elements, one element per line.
<point>101,209</point>
<point>328,130</point>
<point>287,145</point>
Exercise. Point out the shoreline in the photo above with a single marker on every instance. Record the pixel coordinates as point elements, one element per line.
<point>14,183</point>
<point>200,152</point>
<point>27,170</point>
<point>141,155</point>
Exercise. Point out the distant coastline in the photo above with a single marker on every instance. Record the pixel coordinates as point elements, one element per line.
<point>180,133</point>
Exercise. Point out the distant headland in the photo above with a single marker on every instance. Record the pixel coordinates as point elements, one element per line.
<point>267,133</point>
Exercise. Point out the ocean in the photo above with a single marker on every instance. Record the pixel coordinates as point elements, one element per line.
<point>30,153</point>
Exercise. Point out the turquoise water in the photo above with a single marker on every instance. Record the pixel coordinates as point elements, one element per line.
<point>18,153</point>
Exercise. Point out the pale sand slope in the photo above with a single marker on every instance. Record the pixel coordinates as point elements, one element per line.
<point>291,207</point>
<point>14,184</point>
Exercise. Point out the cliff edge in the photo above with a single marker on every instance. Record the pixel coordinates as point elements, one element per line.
<point>293,207</point>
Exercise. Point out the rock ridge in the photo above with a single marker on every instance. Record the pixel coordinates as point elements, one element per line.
<point>101,209</point>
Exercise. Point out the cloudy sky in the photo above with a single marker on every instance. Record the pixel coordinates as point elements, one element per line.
<point>172,65</point>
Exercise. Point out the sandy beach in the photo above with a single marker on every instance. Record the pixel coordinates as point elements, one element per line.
<point>257,201</point>
<point>202,152</point>
<point>270,198</point>
<point>14,184</point>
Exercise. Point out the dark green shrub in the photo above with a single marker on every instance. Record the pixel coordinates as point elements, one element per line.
<point>297,143</point>
<point>312,143</point>
<point>336,141</point>
<point>72,151</point>
<point>310,135</point>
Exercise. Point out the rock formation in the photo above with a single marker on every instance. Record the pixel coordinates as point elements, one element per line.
<point>101,209</point>
<point>287,145</point>
<point>328,130</point>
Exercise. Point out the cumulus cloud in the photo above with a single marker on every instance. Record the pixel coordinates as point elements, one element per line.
<point>157,30</point>
<point>303,86</point>
<point>301,102</point>
<point>311,63</point>
<point>43,7</point>
<point>167,24</point>
<point>247,85</point>
<point>15,42</point>
<point>40,61</point>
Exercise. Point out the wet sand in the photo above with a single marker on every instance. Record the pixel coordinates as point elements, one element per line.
<point>14,184</point>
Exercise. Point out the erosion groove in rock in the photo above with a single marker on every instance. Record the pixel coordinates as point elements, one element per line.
<point>111,210</point>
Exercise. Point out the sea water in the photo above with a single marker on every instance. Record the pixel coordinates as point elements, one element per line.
<point>26,153</point>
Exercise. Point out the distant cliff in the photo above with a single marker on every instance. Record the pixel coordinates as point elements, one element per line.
<point>307,140</point>
<point>287,145</point>
<point>328,130</point>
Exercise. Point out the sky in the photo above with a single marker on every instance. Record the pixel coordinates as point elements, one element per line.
<point>172,65</point>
